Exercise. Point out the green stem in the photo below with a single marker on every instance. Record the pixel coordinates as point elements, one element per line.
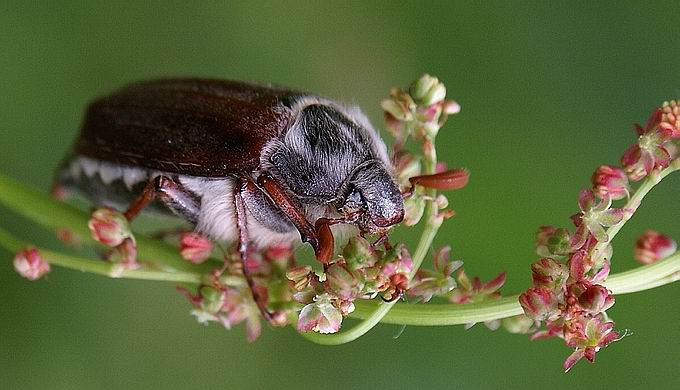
<point>437,314</point>
<point>109,269</point>
<point>431,314</point>
<point>378,311</point>
<point>54,215</point>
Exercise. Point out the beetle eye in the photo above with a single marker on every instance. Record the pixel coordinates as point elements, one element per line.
<point>354,197</point>
<point>353,202</point>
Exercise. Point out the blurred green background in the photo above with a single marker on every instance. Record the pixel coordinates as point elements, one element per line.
<point>548,91</point>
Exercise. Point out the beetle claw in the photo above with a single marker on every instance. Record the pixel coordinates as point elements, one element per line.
<point>325,240</point>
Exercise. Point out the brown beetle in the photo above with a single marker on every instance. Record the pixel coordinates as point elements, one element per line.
<point>257,164</point>
<point>239,161</point>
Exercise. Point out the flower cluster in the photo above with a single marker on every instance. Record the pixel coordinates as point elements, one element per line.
<point>419,111</point>
<point>230,305</point>
<point>657,142</point>
<point>568,295</point>
<point>110,227</point>
<point>361,272</point>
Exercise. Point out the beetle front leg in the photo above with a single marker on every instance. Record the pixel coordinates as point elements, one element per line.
<point>244,247</point>
<point>319,236</point>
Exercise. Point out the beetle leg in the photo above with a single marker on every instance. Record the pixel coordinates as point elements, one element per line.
<point>244,246</point>
<point>449,180</point>
<point>172,194</point>
<point>308,233</point>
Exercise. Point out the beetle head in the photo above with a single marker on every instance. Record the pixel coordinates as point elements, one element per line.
<point>372,200</point>
<point>332,156</point>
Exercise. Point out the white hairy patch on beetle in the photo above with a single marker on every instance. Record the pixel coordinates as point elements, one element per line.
<point>217,218</point>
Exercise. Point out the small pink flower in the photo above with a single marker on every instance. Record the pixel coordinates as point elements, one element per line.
<point>610,181</point>
<point>588,336</point>
<point>342,282</point>
<point>124,257</point>
<point>596,299</point>
<point>108,226</point>
<point>582,268</point>
<point>359,253</point>
<point>543,234</point>
<point>439,281</point>
<point>650,151</point>
<point>320,316</point>
<point>539,303</point>
<point>653,246</point>
<point>471,291</point>
<point>595,216</point>
<point>548,272</point>
<point>29,264</point>
<point>195,247</point>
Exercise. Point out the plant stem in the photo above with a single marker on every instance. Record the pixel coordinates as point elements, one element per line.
<point>54,215</point>
<point>437,314</point>
<point>109,269</point>
<point>431,314</point>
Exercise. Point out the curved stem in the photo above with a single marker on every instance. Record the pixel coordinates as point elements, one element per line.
<point>639,279</point>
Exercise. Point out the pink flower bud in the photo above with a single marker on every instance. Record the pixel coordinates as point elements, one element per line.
<point>539,303</point>
<point>342,282</point>
<point>653,246</point>
<point>596,299</point>
<point>29,264</point>
<point>359,253</point>
<point>610,181</point>
<point>109,226</point>
<point>124,256</point>
<point>450,107</point>
<point>195,247</point>
<point>550,273</point>
<point>543,234</point>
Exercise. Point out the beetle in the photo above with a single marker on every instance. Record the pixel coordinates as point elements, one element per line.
<point>241,162</point>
